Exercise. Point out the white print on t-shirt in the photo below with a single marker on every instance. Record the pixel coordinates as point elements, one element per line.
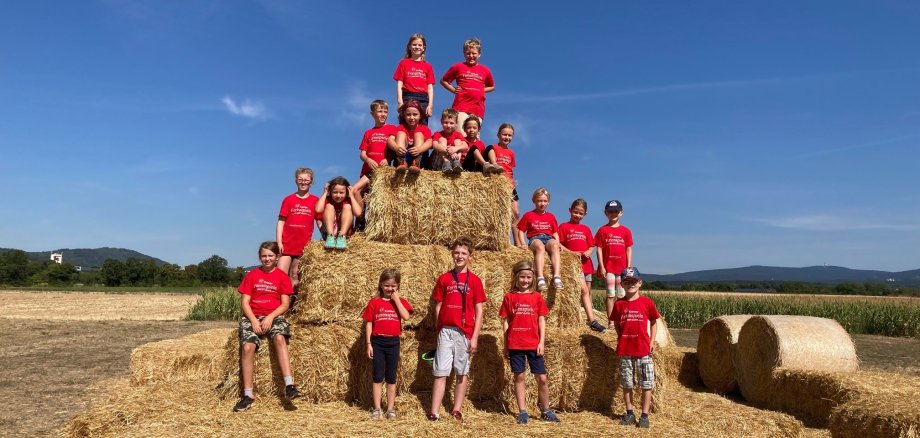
<point>614,240</point>
<point>576,235</point>
<point>301,209</point>
<point>416,73</point>
<point>384,314</point>
<point>379,137</point>
<point>472,76</point>
<point>503,159</point>
<point>264,286</point>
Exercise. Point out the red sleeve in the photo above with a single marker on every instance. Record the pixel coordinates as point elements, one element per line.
<point>426,132</point>
<point>365,141</point>
<point>317,215</point>
<point>488,81</point>
<point>285,208</point>
<point>589,237</point>
<point>479,293</point>
<point>368,313</point>
<point>652,310</point>
<point>450,74</point>
<point>400,72</point>
<point>438,293</point>
<point>246,285</point>
<point>505,310</point>
<point>406,305</point>
<point>522,224</point>
<point>629,239</point>
<point>598,237</point>
<point>284,287</point>
<point>430,73</point>
<point>554,223</point>
<point>436,136</point>
<point>542,309</point>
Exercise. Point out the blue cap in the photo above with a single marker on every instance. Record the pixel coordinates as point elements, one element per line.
<point>613,205</point>
<point>630,273</point>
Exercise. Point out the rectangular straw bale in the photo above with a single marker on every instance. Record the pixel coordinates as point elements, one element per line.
<point>432,209</point>
<point>873,416</point>
<point>198,357</point>
<point>335,286</point>
<point>330,363</point>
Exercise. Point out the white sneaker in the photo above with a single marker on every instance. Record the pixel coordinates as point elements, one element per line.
<point>557,283</point>
<point>541,284</point>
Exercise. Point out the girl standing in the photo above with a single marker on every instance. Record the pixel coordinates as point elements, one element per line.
<point>415,78</point>
<point>576,237</point>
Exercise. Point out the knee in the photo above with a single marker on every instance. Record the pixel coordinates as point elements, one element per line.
<point>249,348</point>
<point>542,379</point>
<point>519,377</point>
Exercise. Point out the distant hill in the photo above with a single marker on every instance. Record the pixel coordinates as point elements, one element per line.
<point>810,274</point>
<point>91,257</point>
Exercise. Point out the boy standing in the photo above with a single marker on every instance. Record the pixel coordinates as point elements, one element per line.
<point>634,317</point>
<point>449,145</point>
<point>373,145</point>
<point>458,296</point>
<point>614,252</point>
<point>474,80</point>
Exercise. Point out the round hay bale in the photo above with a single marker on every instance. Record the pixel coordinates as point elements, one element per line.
<point>714,349</point>
<point>663,338</point>
<point>766,343</point>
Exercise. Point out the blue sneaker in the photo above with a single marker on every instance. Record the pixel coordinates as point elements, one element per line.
<point>340,243</point>
<point>549,415</point>
<point>522,417</point>
<point>330,242</point>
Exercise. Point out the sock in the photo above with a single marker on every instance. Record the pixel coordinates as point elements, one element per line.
<point>644,415</point>
<point>630,412</point>
<point>247,392</point>
<point>288,380</point>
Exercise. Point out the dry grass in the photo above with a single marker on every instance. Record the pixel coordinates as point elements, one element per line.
<point>191,357</point>
<point>93,306</point>
<point>715,348</point>
<point>336,285</point>
<point>431,209</point>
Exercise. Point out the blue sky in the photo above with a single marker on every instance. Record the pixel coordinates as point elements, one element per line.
<point>734,133</point>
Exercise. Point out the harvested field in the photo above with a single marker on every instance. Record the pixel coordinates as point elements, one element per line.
<point>95,306</point>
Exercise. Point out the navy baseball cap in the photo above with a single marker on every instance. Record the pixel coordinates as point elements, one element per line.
<point>632,273</point>
<point>613,205</point>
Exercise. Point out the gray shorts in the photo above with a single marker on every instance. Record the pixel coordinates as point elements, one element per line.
<point>279,327</point>
<point>632,367</point>
<point>451,352</point>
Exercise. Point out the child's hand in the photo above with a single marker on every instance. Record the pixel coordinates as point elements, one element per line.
<point>522,245</point>
<point>266,324</point>
<point>256,327</point>
<point>326,187</point>
<point>371,164</point>
<point>474,345</point>
<point>540,350</point>
<point>370,351</point>
<point>428,111</point>
<point>651,347</point>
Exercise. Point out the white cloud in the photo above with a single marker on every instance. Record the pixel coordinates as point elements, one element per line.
<point>357,101</point>
<point>248,109</point>
<point>827,222</point>
<point>332,170</point>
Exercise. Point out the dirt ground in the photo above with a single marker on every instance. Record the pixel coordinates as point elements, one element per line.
<point>54,367</point>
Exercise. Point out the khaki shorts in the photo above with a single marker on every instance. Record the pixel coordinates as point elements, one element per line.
<point>279,327</point>
<point>451,353</point>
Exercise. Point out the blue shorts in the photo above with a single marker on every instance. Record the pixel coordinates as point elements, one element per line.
<point>545,238</point>
<point>519,357</point>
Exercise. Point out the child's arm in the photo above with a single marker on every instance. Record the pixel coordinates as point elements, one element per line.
<point>321,203</point>
<point>395,146</point>
<point>629,256</point>
<point>368,327</point>
<point>447,86</point>
<point>654,334</point>
<point>367,160</point>
<point>247,312</point>
<point>279,227</point>
<point>430,100</point>
<point>267,321</point>
<point>440,145</point>
<point>400,309</point>
<point>505,327</point>
<point>457,147</point>
<point>437,313</point>
<point>541,346</point>
<point>601,269</point>
<point>477,327</point>
<point>399,96</point>
<point>356,201</point>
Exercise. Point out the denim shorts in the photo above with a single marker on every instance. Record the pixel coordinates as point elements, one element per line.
<point>545,238</point>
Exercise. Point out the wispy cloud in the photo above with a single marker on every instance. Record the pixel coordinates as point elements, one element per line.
<point>354,113</point>
<point>866,145</point>
<point>248,108</point>
<point>827,222</point>
<point>332,170</point>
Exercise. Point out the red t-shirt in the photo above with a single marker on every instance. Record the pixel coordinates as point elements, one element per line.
<point>384,316</point>
<point>374,144</point>
<point>534,223</point>
<point>447,292</point>
<point>614,241</point>
<point>504,157</point>
<point>523,312</point>
<point>472,81</point>
<point>299,217</point>
<point>265,289</point>
<point>415,75</point>
<point>410,134</point>
<point>578,238</point>
<point>454,136</point>
<point>632,318</point>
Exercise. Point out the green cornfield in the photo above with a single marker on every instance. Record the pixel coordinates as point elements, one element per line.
<point>216,304</point>
<point>883,316</point>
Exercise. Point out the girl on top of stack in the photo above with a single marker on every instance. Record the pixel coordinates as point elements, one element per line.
<point>415,78</point>
<point>540,227</point>
<point>383,315</point>
<point>523,314</point>
<point>266,296</point>
<point>576,237</point>
<point>501,159</point>
<point>411,139</point>
<point>339,205</point>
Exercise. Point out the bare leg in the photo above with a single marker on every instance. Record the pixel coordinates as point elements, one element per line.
<point>520,392</point>
<point>460,392</point>
<point>627,399</point>
<point>329,220</point>
<point>377,393</point>
<point>586,301</point>
<point>391,397</point>
<point>543,391</point>
<point>281,349</point>
<point>538,251</point>
<point>295,274</point>
<point>437,394</point>
<point>553,247</point>
<point>362,183</point>
<point>346,220</point>
<point>247,360</point>
<point>646,401</point>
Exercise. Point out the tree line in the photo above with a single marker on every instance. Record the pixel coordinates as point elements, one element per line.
<point>16,269</point>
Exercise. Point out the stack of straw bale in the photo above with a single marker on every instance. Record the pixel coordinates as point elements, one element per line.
<point>330,363</point>
<point>715,349</point>
<point>195,357</point>
<point>335,286</point>
<point>430,209</point>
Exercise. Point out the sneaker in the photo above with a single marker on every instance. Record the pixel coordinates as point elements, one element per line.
<point>628,420</point>
<point>415,170</point>
<point>457,415</point>
<point>522,417</point>
<point>557,283</point>
<point>391,415</point>
<point>596,326</point>
<point>291,392</point>
<point>330,242</point>
<point>340,243</point>
<point>433,417</point>
<point>643,422</point>
<point>549,415</point>
<point>243,404</point>
<point>492,168</point>
<point>457,167</point>
<point>401,167</point>
<point>375,414</point>
<point>541,284</point>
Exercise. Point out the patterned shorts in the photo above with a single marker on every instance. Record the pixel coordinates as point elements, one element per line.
<point>632,367</point>
<point>279,327</point>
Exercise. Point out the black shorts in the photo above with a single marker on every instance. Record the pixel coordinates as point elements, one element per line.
<point>519,358</point>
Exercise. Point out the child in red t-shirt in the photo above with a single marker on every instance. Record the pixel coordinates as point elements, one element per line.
<point>500,159</point>
<point>459,296</point>
<point>373,145</point>
<point>339,205</point>
<point>541,229</point>
<point>614,251</point>
<point>449,145</point>
<point>576,237</point>
<point>295,223</point>
<point>415,78</point>
<point>382,329</point>
<point>523,314</point>
<point>473,158</point>
<point>635,318</point>
<point>266,296</point>
<point>474,80</point>
<point>411,139</point>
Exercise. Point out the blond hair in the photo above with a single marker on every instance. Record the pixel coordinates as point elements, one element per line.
<point>472,43</point>
<point>538,192</point>
<point>523,265</point>
<point>449,113</point>
<point>379,103</point>
<point>416,36</point>
<point>303,170</point>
